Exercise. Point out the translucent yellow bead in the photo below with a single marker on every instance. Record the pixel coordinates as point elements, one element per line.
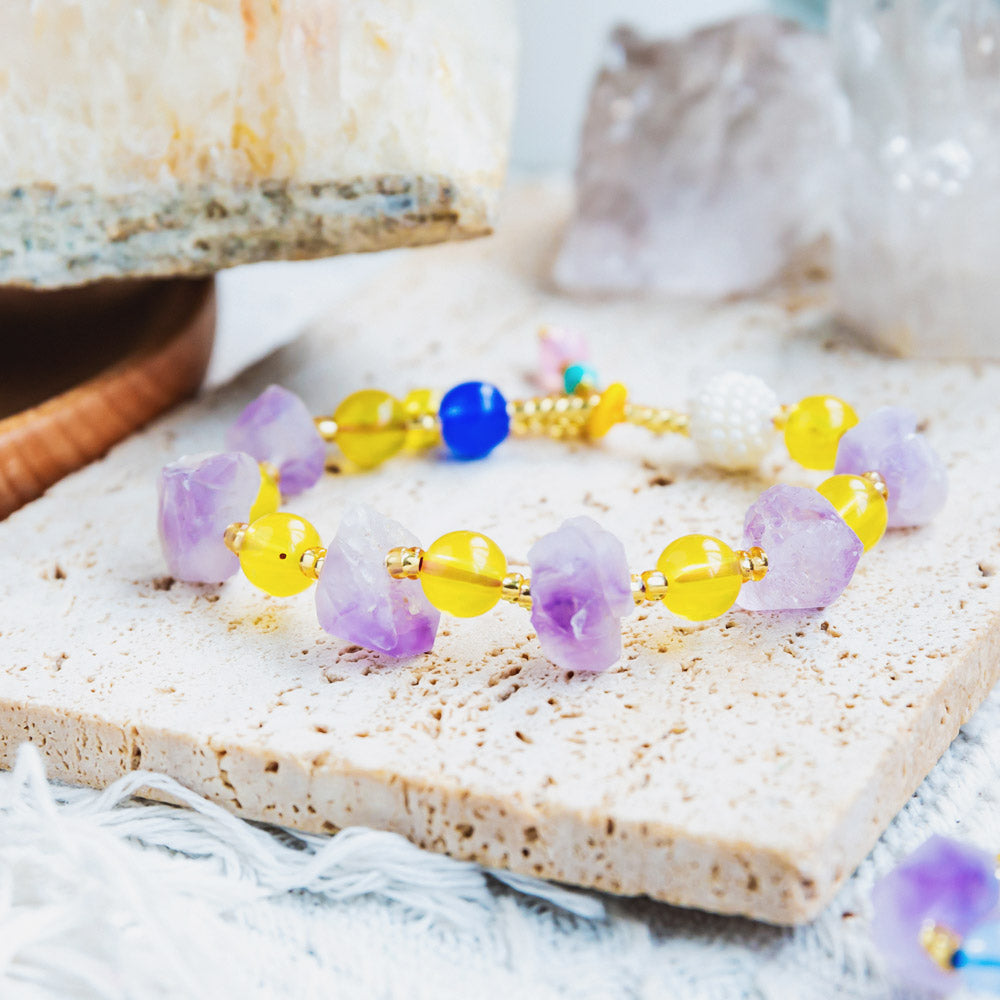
<point>421,408</point>
<point>371,427</point>
<point>270,551</point>
<point>269,496</point>
<point>703,577</point>
<point>462,573</point>
<point>859,502</point>
<point>609,411</point>
<point>814,428</point>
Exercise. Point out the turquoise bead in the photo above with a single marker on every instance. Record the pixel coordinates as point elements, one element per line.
<point>577,375</point>
<point>978,960</point>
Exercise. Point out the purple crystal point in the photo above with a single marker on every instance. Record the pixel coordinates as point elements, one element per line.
<point>943,882</point>
<point>811,552</point>
<point>357,600</point>
<point>888,442</point>
<point>200,496</point>
<point>277,428</point>
<point>580,588</point>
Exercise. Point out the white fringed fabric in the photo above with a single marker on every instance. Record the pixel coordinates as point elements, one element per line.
<point>103,897</point>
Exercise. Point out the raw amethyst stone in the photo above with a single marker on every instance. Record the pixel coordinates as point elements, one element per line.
<point>943,882</point>
<point>811,552</point>
<point>200,496</point>
<point>277,428</point>
<point>888,442</point>
<point>357,600</point>
<point>580,588</point>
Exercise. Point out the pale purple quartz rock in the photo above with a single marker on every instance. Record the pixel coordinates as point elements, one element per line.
<point>357,600</point>
<point>200,496</point>
<point>811,552</point>
<point>943,882</point>
<point>580,589</point>
<point>888,442</point>
<point>277,428</point>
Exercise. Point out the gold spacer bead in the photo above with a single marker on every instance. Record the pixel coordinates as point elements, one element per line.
<point>940,943</point>
<point>327,428</point>
<point>404,563</point>
<point>878,481</point>
<point>657,420</point>
<point>557,416</point>
<point>648,586</point>
<point>753,564</point>
<point>311,562</point>
<point>516,589</point>
<point>235,535</point>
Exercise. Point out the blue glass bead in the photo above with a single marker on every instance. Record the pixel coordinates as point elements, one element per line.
<point>576,375</point>
<point>978,960</point>
<point>474,419</point>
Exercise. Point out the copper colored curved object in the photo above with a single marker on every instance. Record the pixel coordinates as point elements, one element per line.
<point>84,368</point>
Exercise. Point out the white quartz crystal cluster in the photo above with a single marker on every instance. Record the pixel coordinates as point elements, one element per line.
<point>181,136</point>
<point>705,161</point>
<point>916,252</point>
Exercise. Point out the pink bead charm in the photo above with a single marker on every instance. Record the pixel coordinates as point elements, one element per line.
<point>558,348</point>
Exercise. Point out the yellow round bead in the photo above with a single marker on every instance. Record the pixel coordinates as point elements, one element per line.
<point>610,410</point>
<point>421,408</point>
<point>703,577</point>
<point>462,573</point>
<point>814,428</point>
<point>371,427</point>
<point>861,505</point>
<point>269,495</point>
<point>271,549</point>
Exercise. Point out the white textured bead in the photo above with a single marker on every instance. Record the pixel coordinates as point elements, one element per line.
<point>732,420</point>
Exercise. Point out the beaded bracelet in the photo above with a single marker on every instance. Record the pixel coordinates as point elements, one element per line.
<point>378,589</point>
<point>936,918</point>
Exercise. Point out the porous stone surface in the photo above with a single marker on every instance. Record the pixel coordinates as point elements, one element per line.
<point>743,765</point>
<point>183,137</point>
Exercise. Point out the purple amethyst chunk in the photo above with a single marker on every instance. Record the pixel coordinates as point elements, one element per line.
<point>277,428</point>
<point>811,552</point>
<point>580,589</point>
<point>357,600</point>
<point>200,496</point>
<point>888,442</point>
<point>943,882</point>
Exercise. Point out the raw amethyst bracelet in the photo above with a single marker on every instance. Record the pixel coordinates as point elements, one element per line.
<point>936,918</point>
<point>378,589</point>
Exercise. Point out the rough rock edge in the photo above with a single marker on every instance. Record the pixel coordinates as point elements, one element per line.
<point>51,237</point>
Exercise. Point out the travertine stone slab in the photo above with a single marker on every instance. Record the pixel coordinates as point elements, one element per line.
<point>743,765</point>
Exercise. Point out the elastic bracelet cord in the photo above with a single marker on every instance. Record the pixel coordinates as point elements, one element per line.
<point>379,589</point>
